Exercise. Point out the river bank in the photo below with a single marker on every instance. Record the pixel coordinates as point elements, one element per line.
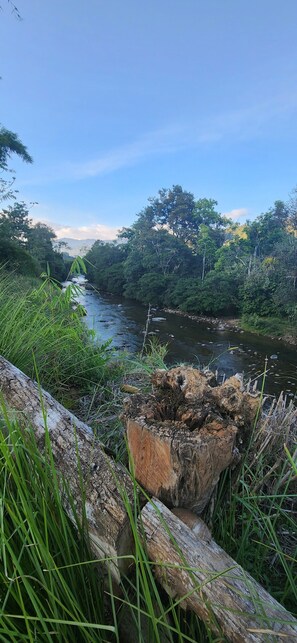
<point>237,325</point>
<point>41,326</point>
<point>272,328</point>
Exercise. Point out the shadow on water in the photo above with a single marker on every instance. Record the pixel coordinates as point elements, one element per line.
<point>227,351</point>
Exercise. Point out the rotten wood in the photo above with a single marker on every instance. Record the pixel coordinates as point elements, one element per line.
<point>183,435</point>
<point>188,562</point>
<point>81,460</point>
<point>192,568</point>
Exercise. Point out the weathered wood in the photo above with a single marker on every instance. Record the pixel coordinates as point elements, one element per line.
<point>183,436</point>
<point>212,584</point>
<point>191,565</point>
<point>76,453</point>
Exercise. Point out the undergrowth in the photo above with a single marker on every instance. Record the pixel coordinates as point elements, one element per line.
<point>51,589</point>
<point>254,517</point>
<point>273,326</point>
<point>43,326</point>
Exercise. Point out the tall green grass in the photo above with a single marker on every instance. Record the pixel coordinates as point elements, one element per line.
<point>274,326</point>
<point>41,326</point>
<point>39,601</point>
<point>255,509</point>
<point>51,589</point>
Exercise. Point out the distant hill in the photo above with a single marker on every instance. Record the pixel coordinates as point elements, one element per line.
<point>77,246</point>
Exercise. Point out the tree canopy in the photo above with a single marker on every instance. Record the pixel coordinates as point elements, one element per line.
<point>182,252</point>
<point>10,144</point>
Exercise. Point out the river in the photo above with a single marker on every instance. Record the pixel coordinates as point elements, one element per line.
<point>227,351</point>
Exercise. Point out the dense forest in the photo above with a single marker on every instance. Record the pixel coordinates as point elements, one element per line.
<point>182,253</point>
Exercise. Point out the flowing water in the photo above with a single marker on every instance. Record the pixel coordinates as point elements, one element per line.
<point>227,351</point>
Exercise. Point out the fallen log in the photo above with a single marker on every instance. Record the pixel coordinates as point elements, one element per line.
<point>183,435</point>
<point>193,568</point>
<point>81,460</point>
<point>188,562</point>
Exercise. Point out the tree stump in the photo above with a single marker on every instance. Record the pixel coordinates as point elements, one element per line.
<point>183,435</point>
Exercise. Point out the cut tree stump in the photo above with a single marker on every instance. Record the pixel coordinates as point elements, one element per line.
<point>77,453</point>
<point>188,563</point>
<point>183,435</point>
<point>193,568</point>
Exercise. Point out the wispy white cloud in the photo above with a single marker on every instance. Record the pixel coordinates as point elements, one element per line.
<point>162,141</point>
<point>249,122</point>
<point>237,213</point>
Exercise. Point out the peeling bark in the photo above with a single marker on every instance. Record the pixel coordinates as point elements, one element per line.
<point>193,568</point>
<point>215,586</point>
<point>77,453</point>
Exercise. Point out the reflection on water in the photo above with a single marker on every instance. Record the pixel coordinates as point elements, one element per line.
<point>227,351</point>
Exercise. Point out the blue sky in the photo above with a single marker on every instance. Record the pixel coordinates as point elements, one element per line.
<point>116,100</point>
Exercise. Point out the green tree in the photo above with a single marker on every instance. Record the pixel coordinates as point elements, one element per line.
<point>234,254</point>
<point>172,209</point>
<point>286,268</point>
<point>15,223</point>
<point>10,144</point>
<point>152,288</point>
<point>292,207</point>
<point>17,259</point>
<point>267,230</point>
<point>40,239</point>
<point>105,266</point>
<point>206,247</point>
<point>260,289</point>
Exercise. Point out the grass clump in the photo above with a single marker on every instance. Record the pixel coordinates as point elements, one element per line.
<point>254,517</point>
<point>42,326</point>
<point>43,597</point>
<point>273,326</point>
<point>51,588</point>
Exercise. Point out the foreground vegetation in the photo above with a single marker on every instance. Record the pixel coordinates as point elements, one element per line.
<point>41,329</point>
<point>182,253</point>
<point>50,588</point>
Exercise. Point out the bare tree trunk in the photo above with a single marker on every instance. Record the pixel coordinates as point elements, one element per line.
<point>80,459</point>
<point>250,266</point>
<point>191,565</point>
<point>203,265</point>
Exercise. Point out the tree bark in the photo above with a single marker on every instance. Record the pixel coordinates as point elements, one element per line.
<point>190,564</point>
<point>215,587</point>
<point>80,459</point>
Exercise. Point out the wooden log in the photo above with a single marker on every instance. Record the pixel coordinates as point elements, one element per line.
<point>192,567</point>
<point>76,453</point>
<point>183,436</point>
<point>212,584</point>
